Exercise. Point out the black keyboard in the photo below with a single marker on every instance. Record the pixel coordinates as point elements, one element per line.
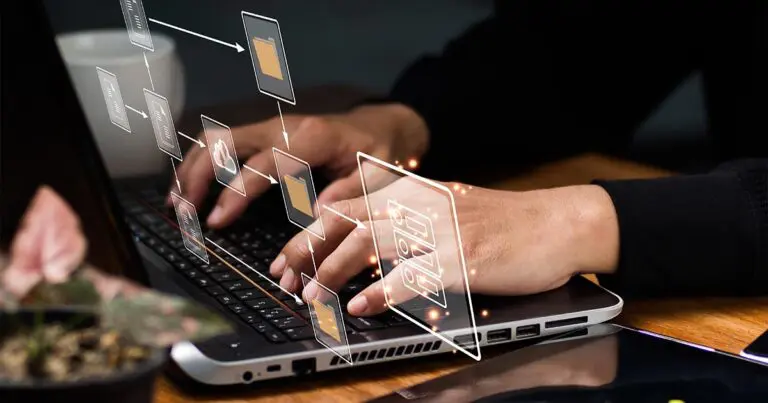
<point>271,312</point>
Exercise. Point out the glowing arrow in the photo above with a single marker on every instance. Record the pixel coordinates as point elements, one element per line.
<point>199,142</point>
<point>282,122</point>
<point>175,175</point>
<point>144,115</point>
<point>356,222</point>
<point>146,63</point>
<point>267,177</point>
<point>295,297</point>
<point>235,45</point>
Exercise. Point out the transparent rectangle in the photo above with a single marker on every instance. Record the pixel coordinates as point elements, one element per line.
<point>299,194</point>
<point>191,233</point>
<point>325,311</point>
<point>118,114</point>
<point>419,251</point>
<point>136,23</point>
<point>162,124</point>
<point>270,64</point>
<point>221,148</point>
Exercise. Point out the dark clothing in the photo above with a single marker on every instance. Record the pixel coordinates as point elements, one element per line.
<point>544,79</point>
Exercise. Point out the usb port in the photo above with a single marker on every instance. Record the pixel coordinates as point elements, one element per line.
<point>497,336</point>
<point>466,340</point>
<point>528,331</point>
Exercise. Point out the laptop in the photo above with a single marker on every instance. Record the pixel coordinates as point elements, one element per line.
<point>46,140</point>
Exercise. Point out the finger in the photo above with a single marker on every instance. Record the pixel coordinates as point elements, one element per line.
<point>350,258</point>
<point>373,300</point>
<point>342,189</point>
<point>231,204</point>
<point>295,255</point>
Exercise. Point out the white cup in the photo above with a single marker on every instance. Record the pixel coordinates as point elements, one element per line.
<point>125,154</point>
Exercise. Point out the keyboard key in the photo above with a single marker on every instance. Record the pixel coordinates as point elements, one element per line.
<point>226,299</point>
<point>262,327</point>
<point>247,295</point>
<point>225,276</point>
<point>304,313</point>
<point>203,282</point>
<point>288,322</point>
<point>182,265</point>
<point>215,290</point>
<point>299,333</point>
<point>214,267</point>
<point>193,274</point>
<point>275,337</point>
<point>250,317</point>
<point>237,285</point>
<point>291,303</point>
<point>273,313</point>
<point>363,324</point>
<point>261,303</point>
<point>237,308</point>
<point>396,320</point>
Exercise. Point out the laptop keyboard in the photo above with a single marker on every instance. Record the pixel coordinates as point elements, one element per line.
<point>271,312</point>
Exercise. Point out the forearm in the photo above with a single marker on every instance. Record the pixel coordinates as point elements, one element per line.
<point>698,234</point>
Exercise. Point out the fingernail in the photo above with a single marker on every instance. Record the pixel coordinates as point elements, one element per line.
<point>358,305</point>
<point>277,266</point>
<point>287,280</point>
<point>216,215</point>
<point>310,292</point>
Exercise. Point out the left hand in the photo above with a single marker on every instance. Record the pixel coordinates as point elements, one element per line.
<point>514,243</point>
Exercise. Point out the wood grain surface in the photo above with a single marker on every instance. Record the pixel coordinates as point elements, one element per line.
<point>725,324</point>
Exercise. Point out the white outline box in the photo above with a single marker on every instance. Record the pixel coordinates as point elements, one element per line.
<point>254,61</point>
<point>194,244</point>
<point>312,193</point>
<point>104,76</point>
<point>230,145</point>
<point>346,353</point>
<point>130,18</point>
<point>155,125</point>
<point>468,296</point>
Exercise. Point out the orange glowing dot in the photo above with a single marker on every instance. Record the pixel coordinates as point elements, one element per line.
<point>434,315</point>
<point>484,313</point>
<point>400,166</point>
<point>434,328</point>
<point>472,272</point>
<point>412,163</point>
<point>372,259</point>
<point>378,272</point>
<point>447,313</point>
<point>463,191</point>
<point>376,212</point>
<point>397,162</point>
<point>456,186</point>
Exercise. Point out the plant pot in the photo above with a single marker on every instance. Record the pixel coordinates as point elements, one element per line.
<point>134,386</point>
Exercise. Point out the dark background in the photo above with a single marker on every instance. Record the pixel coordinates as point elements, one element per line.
<point>359,43</point>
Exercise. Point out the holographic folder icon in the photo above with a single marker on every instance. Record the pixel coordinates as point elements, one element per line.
<point>298,194</point>
<point>266,52</point>
<point>326,319</point>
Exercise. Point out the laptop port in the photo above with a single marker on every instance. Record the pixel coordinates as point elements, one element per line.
<point>497,336</point>
<point>528,331</point>
<point>304,367</point>
<point>566,322</point>
<point>467,340</point>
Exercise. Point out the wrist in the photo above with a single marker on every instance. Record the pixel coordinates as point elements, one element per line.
<point>408,130</point>
<point>594,230</point>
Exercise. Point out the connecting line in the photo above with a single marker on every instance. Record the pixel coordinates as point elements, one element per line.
<point>146,63</point>
<point>235,45</point>
<point>142,113</point>
<point>353,221</point>
<point>282,122</point>
<point>190,138</point>
<point>178,183</point>
<point>312,253</point>
<point>295,297</point>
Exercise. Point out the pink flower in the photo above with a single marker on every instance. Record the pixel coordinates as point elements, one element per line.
<point>49,245</point>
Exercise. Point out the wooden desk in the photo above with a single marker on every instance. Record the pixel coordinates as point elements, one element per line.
<point>726,324</point>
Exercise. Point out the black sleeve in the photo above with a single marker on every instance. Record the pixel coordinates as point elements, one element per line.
<point>693,235</point>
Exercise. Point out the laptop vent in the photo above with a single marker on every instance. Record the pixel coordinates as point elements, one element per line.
<point>402,351</point>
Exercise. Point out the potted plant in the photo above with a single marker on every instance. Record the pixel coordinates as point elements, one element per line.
<point>71,333</point>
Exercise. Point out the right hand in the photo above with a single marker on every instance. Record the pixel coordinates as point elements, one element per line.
<point>388,131</point>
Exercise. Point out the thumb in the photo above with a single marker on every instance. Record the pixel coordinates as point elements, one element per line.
<point>345,188</point>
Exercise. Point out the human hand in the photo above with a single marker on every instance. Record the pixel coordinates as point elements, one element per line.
<point>390,131</point>
<point>514,243</point>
